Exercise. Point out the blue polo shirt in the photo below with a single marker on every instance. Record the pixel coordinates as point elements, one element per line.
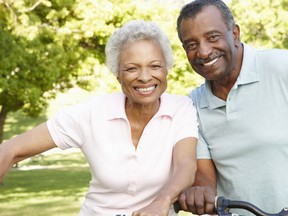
<point>247,135</point>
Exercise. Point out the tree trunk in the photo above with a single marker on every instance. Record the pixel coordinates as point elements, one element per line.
<point>3,115</point>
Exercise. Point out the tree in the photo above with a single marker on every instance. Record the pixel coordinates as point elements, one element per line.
<point>263,23</point>
<point>49,46</point>
<point>33,63</point>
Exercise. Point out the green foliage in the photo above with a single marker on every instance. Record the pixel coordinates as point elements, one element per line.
<point>49,46</point>
<point>34,63</point>
<point>263,23</point>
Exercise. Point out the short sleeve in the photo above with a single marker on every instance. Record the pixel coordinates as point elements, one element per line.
<point>202,148</point>
<point>67,126</point>
<point>186,118</point>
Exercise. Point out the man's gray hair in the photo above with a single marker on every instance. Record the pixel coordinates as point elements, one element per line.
<point>192,9</point>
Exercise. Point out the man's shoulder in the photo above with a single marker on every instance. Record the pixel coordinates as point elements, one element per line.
<point>197,93</point>
<point>272,59</point>
<point>266,60</point>
<point>274,53</point>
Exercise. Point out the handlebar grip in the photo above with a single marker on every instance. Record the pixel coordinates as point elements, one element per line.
<point>223,205</point>
<point>220,201</point>
<point>176,207</point>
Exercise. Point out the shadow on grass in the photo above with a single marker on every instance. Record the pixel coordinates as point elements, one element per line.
<point>71,159</point>
<point>58,188</point>
<point>44,191</point>
<point>54,182</point>
<point>17,123</point>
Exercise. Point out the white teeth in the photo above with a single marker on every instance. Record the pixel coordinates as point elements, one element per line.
<point>145,89</point>
<point>211,62</point>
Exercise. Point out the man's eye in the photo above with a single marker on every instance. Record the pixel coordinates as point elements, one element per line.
<point>190,46</point>
<point>213,38</point>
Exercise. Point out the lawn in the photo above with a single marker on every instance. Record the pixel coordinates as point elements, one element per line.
<point>54,183</point>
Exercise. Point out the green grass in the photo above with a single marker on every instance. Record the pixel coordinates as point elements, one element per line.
<point>55,187</point>
<point>17,123</point>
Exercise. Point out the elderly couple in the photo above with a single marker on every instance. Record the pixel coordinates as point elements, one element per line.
<point>140,143</point>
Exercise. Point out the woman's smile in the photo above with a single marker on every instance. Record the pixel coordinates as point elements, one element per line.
<point>146,90</point>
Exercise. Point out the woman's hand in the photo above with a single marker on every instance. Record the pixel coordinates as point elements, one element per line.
<point>158,207</point>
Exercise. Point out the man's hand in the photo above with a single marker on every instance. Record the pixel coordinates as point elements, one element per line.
<point>198,200</point>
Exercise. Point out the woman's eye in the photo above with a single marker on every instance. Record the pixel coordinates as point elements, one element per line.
<point>156,67</point>
<point>131,69</point>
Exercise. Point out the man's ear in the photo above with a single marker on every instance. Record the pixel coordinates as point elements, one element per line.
<point>236,32</point>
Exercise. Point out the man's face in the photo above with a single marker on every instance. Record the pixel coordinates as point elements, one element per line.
<point>210,46</point>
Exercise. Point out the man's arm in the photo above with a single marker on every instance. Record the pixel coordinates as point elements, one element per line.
<point>199,199</point>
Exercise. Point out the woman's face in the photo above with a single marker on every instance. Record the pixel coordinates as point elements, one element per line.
<point>142,72</point>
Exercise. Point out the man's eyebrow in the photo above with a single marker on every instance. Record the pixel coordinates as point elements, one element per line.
<point>188,41</point>
<point>205,34</point>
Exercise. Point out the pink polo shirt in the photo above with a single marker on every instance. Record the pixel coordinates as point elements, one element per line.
<point>124,179</point>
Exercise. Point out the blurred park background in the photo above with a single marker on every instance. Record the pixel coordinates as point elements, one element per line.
<point>52,55</point>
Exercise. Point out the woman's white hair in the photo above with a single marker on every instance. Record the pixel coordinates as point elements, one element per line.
<point>133,31</point>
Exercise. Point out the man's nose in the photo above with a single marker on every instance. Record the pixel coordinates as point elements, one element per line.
<point>204,50</point>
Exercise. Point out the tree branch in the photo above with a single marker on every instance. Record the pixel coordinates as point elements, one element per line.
<point>34,6</point>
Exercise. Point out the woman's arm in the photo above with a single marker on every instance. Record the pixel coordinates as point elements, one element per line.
<point>184,169</point>
<point>23,146</point>
<point>199,199</point>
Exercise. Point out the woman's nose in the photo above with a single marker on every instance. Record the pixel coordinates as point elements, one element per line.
<point>144,75</point>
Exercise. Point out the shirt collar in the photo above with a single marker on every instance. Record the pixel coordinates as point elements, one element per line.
<point>248,74</point>
<point>116,106</point>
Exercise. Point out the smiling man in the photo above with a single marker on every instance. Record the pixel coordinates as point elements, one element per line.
<point>242,149</point>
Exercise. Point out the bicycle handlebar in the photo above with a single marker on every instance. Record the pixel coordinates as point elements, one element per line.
<point>223,206</point>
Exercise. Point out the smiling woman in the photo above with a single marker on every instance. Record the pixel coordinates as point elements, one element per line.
<point>140,143</point>
<point>142,76</point>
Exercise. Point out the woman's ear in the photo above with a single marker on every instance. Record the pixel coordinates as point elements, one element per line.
<point>117,77</point>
